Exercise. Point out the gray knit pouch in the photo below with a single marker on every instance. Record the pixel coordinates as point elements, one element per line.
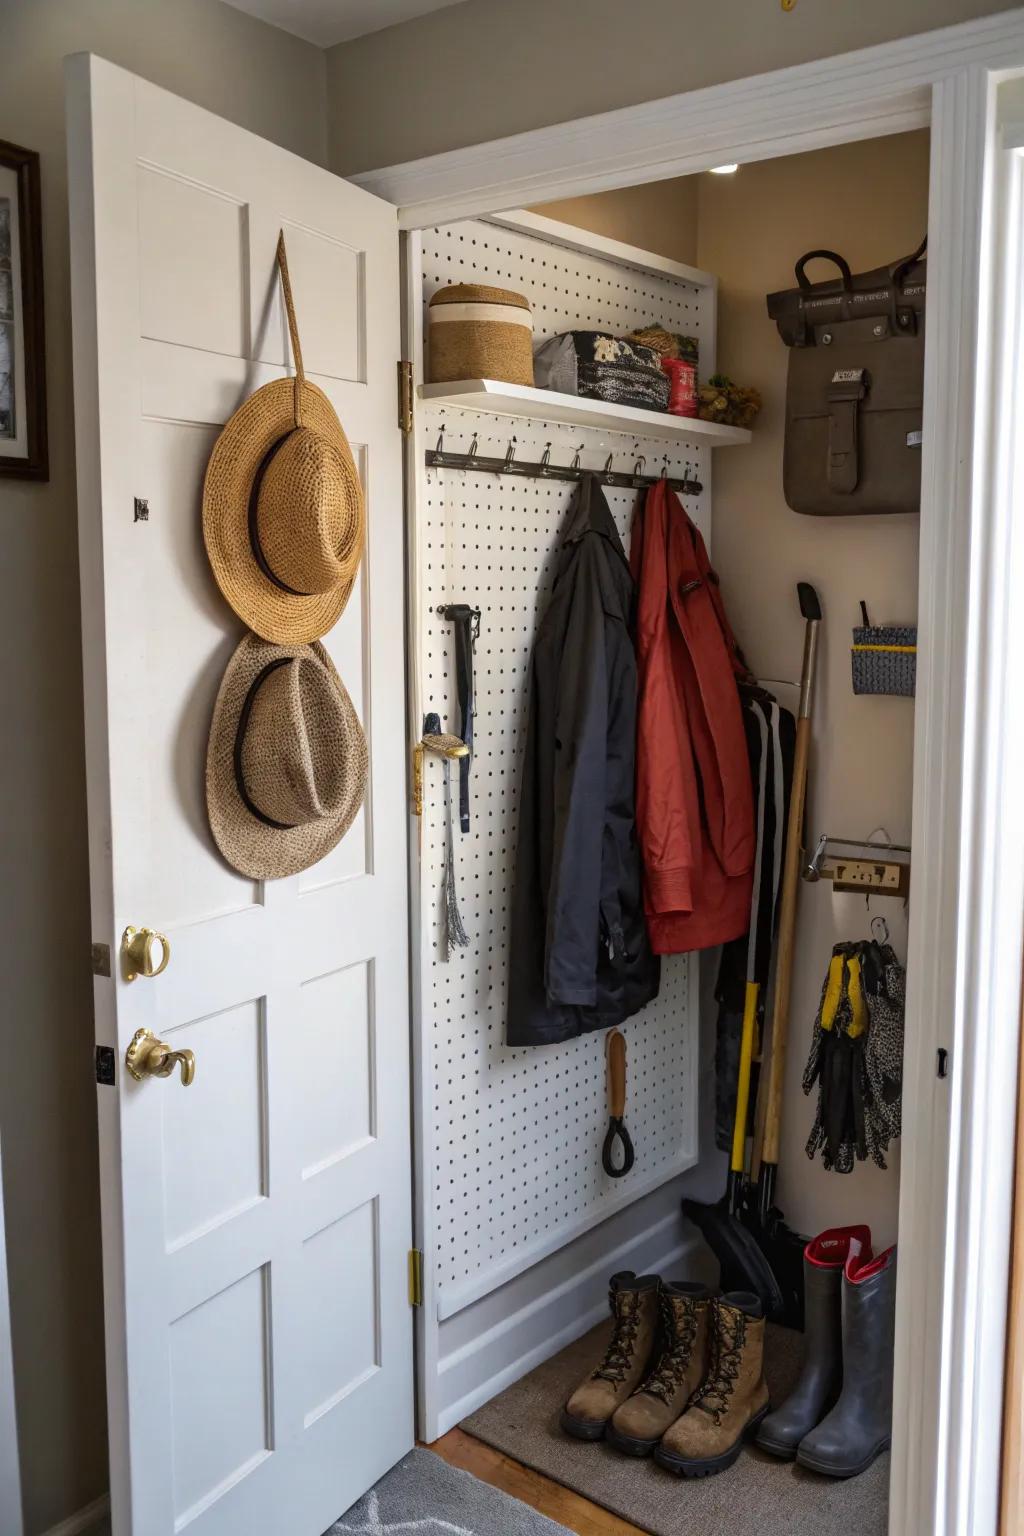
<point>885,659</point>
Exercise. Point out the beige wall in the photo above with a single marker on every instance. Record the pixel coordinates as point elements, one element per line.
<point>660,217</point>
<point>868,201</point>
<point>488,68</point>
<point>274,84</point>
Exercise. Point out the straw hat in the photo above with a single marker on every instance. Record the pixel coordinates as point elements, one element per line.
<point>286,763</point>
<point>283,514</point>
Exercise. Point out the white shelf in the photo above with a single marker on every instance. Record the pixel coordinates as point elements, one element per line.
<point>545,405</point>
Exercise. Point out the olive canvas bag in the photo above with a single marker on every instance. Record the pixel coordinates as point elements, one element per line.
<point>854,387</point>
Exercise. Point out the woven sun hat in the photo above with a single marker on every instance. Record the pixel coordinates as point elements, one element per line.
<point>283,513</point>
<point>286,764</point>
<point>477,332</point>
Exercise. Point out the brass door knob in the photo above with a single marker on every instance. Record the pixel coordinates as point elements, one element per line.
<point>149,1057</point>
<point>442,745</point>
<point>138,951</point>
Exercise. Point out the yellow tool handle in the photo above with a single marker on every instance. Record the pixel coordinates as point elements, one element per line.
<point>739,1130</point>
<point>787,944</point>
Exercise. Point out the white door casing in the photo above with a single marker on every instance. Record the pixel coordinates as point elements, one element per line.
<point>255,1224</point>
<point>963,961</point>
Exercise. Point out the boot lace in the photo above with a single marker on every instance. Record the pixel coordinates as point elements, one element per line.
<point>680,1324</point>
<point>730,1333</point>
<point>618,1357</point>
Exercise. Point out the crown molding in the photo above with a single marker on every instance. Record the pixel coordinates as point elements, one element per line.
<point>873,91</point>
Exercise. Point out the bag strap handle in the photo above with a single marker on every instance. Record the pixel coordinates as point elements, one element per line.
<point>293,326</point>
<point>833,256</point>
<point>901,268</point>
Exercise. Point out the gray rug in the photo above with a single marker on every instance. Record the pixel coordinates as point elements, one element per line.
<point>759,1496</point>
<point>423,1494</point>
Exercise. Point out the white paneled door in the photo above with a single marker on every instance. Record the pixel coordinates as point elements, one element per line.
<point>257,1222</point>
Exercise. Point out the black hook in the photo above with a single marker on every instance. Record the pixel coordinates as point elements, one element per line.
<point>510,453</point>
<point>545,459</point>
<point>617,1132</point>
<point>576,458</point>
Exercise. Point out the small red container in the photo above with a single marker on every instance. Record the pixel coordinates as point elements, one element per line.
<point>683,380</point>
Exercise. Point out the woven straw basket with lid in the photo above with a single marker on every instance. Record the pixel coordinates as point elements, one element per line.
<point>478,332</point>
<point>283,514</point>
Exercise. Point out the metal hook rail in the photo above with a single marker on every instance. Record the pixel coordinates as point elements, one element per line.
<point>439,458</point>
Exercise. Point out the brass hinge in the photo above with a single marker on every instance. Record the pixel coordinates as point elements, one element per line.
<point>100,954</point>
<point>405,397</point>
<point>415,1278</point>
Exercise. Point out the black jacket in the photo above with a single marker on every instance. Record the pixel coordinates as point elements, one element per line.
<point>579,957</point>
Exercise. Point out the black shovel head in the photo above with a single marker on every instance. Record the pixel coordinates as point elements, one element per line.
<point>744,1266</point>
<point>783,1252</point>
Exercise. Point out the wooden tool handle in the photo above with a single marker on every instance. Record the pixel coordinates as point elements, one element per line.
<point>616,1074</point>
<point>787,938</point>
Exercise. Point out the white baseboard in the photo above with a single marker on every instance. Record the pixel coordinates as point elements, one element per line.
<point>485,1364</point>
<point>83,1520</point>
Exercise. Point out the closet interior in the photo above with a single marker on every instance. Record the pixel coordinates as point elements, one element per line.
<point>524,1213</point>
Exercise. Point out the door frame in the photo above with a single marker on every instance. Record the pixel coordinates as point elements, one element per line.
<point>10,1472</point>
<point>965,926</point>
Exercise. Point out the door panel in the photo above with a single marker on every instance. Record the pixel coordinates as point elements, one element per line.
<point>256,1223</point>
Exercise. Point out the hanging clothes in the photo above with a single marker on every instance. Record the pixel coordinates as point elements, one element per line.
<point>579,956</point>
<point>695,809</point>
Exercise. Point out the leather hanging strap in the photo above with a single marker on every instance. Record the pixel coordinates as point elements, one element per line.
<point>293,326</point>
<point>845,393</point>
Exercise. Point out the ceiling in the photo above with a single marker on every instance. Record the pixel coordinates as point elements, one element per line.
<point>326,22</point>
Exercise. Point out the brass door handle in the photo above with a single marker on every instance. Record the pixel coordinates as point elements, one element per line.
<point>442,745</point>
<point>138,946</point>
<point>149,1057</point>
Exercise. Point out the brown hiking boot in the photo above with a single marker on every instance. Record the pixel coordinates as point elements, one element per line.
<point>663,1395</point>
<point>634,1304</point>
<point>733,1400</point>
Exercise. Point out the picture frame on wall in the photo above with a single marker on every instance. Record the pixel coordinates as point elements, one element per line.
<point>23,447</point>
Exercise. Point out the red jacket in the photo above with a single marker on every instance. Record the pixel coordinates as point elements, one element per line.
<point>694,799</point>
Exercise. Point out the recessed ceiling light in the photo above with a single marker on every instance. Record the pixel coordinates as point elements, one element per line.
<point>724,170</point>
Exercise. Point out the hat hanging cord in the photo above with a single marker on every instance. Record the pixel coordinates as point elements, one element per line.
<point>293,326</point>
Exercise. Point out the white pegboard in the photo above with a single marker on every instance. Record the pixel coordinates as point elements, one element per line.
<point>568,290</point>
<point>516,1134</point>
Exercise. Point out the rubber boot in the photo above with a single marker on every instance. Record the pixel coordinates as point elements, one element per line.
<point>733,1399</point>
<point>821,1379</point>
<point>634,1300</point>
<point>663,1395</point>
<point>860,1425</point>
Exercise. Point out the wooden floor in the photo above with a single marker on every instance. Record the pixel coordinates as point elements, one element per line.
<point>551,1499</point>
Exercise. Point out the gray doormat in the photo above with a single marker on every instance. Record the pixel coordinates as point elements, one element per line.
<point>758,1496</point>
<point>424,1495</point>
